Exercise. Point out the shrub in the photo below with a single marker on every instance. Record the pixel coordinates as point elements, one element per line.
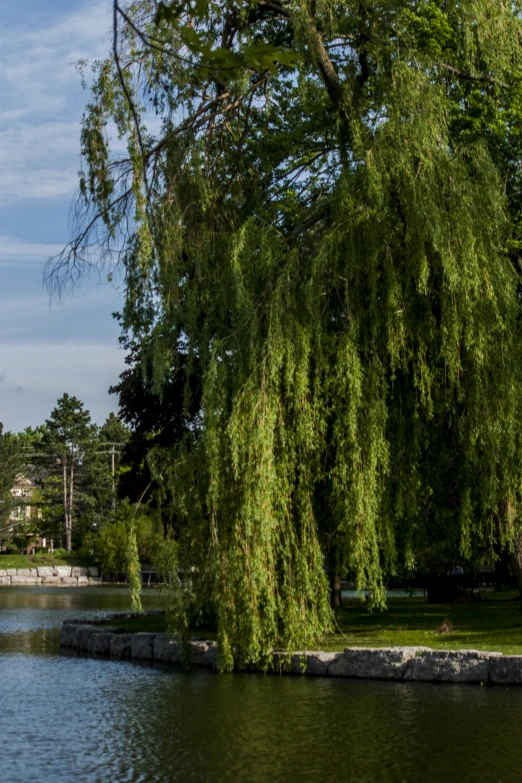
<point>110,544</point>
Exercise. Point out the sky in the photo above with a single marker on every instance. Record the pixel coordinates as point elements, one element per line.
<point>48,347</point>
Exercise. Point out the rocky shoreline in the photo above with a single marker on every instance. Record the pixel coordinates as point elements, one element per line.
<point>406,664</point>
<point>55,576</point>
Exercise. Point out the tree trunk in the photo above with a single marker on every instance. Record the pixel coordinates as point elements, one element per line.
<point>70,514</point>
<point>336,598</point>
<point>113,455</point>
<point>515,562</point>
<point>66,506</point>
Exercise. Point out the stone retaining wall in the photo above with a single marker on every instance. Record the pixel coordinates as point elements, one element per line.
<point>70,576</point>
<point>406,664</point>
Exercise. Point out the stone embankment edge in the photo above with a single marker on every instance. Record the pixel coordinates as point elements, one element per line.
<point>405,664</point>
<point>55,576</point>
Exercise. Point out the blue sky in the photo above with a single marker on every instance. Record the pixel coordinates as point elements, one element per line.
<point>47,349</point>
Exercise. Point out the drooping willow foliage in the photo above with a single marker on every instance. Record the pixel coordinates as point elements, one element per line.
<point>318,209</point>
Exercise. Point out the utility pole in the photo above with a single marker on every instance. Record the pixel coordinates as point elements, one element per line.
<point>113,459</point>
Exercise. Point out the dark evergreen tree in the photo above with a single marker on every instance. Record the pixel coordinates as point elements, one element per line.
<point>157,418</point>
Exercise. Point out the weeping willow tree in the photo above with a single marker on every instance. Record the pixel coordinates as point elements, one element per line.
<point>317,209</point>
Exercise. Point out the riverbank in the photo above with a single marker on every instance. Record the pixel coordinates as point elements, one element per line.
<point>115,721</point>
<point>492,625</point>
<point>51,576</point>
<point>407,664</point>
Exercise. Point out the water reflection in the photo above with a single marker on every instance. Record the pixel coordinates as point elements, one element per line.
<point>65,719</point>
<point>25,612</point>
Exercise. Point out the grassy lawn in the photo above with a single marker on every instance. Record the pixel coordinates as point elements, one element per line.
<point>155,624</point>
<point>148,624</point>
<point>44,559</point>
<point>495,624</point>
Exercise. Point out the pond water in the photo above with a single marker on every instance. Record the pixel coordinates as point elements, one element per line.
<point>66,719</point>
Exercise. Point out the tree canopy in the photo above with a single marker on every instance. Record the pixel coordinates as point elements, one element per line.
<point>325,224</point>
<point>11,462</point>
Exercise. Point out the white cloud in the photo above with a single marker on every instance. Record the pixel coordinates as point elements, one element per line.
<point>38,318</point>
<point>29,314</point>
<point>56,366</point>
<point>41,99</point>
<point>38,160</point>
<point>15,251</point>
<point>36,375</point>
<point>39,57</point>
<point>45,348</point>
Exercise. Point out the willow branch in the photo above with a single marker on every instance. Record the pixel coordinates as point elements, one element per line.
<point>132,107</point>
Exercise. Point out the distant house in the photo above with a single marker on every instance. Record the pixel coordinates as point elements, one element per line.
<point>22,511</point>
<point>23,491</point>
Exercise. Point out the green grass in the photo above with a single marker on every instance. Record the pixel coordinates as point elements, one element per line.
<point>152,624</point>
<point>494,624</point>
<point>44,559</point>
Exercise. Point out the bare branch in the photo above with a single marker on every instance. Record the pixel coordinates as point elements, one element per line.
<point>472,77</point>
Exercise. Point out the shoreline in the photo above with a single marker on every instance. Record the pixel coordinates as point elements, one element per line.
<point>51,576</point>
<point>400,664</point>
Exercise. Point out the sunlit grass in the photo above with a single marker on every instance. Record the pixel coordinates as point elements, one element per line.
<point>44,559</point>
<point>494,624</point>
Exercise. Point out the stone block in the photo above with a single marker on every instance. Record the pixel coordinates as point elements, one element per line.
<point>207,658</point>
<point>373,663</point>
<point>51,580</point>
<point>83,636</point>
<point>77,571</point>
<point>100,643</point>
<point>449,666</point>
<point>10,571</point>
<point>93,571</point>
<point>3,572</point>
<point>312,663</point>
<point>93,580</point>
<point>167,649</point>
<point>34,571</point>
<point>121,644</point>
<point>198,646</point>
<point>142,647</point>
<point>25,572</point>
<point>62,570</point>
<point>70,580</point>
<point>506,669</point>
<point>45,571</point>
<point>68,636</point>
<point>83,581</point>
<point>5,580</point>
<point>26,580</point>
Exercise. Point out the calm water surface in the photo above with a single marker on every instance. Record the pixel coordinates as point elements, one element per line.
<point>68,719</point>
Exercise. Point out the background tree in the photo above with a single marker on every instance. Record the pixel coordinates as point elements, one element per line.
<point>11,462</point>
<point>69,432</point>
<point>323,228</point>
<point>102,468</point>
<point>157,419</point>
